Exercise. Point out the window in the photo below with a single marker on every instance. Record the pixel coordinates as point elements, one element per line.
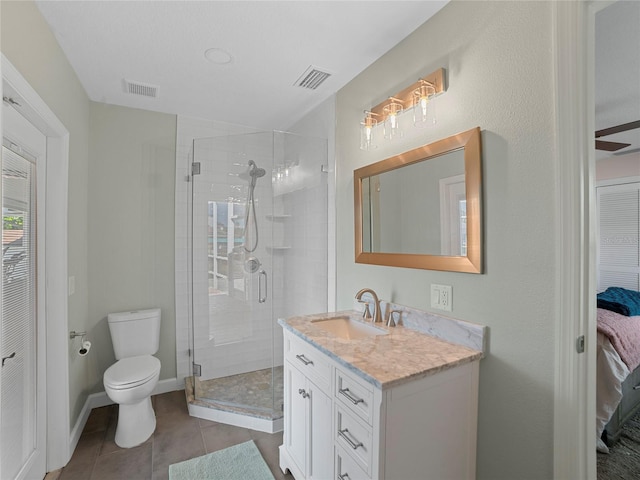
<point>618,223</point>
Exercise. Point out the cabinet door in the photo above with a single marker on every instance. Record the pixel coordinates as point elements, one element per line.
<point>296,417</point>
<point>320,438</point>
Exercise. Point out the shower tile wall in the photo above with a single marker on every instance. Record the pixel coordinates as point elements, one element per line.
<point>302,288</point>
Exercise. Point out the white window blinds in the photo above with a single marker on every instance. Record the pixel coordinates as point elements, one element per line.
<point>18,312</point>
<point>618,249</point>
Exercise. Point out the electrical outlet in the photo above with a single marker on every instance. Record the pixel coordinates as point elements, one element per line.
<point>441,297</point>
<point>72,285</point>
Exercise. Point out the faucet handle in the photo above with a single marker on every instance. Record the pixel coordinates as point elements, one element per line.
<point>392,322</point>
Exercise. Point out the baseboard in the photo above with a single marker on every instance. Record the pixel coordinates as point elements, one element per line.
<point>101,399</point>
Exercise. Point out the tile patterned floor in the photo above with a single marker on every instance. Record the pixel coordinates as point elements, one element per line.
<point>177,437</point>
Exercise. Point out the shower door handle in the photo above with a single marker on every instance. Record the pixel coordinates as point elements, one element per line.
<point>262,297</point>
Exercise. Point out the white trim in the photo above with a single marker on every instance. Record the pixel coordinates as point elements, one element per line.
<point>101,399</point>
<point>37,112</point>
<point>574,402</point>
<point>617,181</point>
<point>237,420</point>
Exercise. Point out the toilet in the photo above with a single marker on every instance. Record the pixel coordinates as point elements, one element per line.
<point>130,381</point>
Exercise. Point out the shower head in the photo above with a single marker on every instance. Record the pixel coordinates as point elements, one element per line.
<point>255,171</point>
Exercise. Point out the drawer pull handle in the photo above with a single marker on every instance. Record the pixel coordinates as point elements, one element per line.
<point>304,359</point>
<point>343,434</point>
<point>637,387</point>
<point>343,476</point>
<point>303,393</point>
<point>352,399</point>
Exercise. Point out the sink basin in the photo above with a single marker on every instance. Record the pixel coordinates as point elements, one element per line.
<point>348,329</point>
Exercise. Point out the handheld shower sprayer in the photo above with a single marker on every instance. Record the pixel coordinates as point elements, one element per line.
<point>255,172</point>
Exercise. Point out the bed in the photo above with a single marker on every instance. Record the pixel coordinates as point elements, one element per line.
<point>618,368</point>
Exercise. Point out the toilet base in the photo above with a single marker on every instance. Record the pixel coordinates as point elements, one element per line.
<point>136,423</point>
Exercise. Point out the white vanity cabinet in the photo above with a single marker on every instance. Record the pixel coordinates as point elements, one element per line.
<point>350,429</point>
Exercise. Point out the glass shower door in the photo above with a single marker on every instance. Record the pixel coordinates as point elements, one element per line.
<point>232,271</point>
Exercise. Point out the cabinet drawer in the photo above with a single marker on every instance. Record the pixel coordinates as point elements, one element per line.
<point>347,468</point>
<point>355,394</point>
<point>353,437</point>
<point>309,360</point>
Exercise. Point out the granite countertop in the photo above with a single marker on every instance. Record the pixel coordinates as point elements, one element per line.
<point>384,360</point>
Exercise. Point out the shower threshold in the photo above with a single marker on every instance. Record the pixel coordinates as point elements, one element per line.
<point>243,400</point>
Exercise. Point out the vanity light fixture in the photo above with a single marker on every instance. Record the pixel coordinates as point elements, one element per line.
<point>366,130</point>
<point>417,97</point>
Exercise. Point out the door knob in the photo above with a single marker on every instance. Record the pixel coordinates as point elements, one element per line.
<point>4,359</point>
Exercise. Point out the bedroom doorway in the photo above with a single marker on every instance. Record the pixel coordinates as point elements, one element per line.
<point>615,189</point>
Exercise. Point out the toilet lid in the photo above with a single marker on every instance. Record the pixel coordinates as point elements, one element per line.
<point>131,372</point>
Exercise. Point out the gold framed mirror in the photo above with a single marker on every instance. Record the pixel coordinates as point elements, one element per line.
<point>422,208</point>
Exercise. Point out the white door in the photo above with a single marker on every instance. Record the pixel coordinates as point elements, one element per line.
<point>22,334</point>
<point>296,423</point>
<point>320,464</point>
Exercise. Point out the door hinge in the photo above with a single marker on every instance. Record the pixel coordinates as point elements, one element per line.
<point>197,370</point>
<point>580,344</point>
<point>195,168</point>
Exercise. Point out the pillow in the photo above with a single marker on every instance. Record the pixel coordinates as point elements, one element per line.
<point>620,300</point>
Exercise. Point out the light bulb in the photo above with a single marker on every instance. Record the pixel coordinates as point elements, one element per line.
<point>423,110</point>
<point>366,131</point>
<point>391,122</point>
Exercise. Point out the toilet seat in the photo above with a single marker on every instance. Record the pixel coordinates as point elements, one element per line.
<point>131,372</point>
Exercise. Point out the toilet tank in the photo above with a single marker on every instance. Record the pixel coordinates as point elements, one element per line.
<point>135,333</point>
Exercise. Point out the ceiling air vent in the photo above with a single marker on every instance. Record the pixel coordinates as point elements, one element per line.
<point>138,88</point>
<point>312,78</point>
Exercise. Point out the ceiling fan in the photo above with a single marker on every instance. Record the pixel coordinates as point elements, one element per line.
<point>614,146</point>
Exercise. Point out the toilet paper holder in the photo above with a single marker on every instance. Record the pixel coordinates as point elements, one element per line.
<point>73,334</point>
<point>86,345</point>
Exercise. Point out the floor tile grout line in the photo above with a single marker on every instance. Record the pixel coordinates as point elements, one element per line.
<point>99,449</point>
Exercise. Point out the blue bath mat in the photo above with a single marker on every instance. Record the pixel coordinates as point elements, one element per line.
<point>240,462</point>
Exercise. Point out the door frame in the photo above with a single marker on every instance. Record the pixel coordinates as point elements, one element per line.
<point>576,222</point>
<point>34,109</point>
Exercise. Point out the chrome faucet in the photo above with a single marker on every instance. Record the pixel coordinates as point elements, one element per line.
<point>377,317</point>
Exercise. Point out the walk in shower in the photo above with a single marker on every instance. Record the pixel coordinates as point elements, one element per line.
<point>258,252</point>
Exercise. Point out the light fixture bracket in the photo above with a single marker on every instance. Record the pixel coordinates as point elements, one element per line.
<point>405,96</point>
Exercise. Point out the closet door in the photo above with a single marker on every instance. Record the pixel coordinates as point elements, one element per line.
<point>618,249</point>
<point>22,328</point>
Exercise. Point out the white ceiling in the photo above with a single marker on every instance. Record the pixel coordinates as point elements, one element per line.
<point>163,43</point>
<point>617,82</point>
<point>273,42</point>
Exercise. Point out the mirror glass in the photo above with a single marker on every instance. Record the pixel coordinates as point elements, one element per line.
<point>421,209</point>
<point>426,198</point>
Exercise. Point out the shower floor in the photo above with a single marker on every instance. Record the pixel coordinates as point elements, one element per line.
<point>246,393</point>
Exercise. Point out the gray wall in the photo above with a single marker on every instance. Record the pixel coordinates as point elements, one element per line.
<point>499,62</point>
<point>131,225</point>
<point>30,46</point>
